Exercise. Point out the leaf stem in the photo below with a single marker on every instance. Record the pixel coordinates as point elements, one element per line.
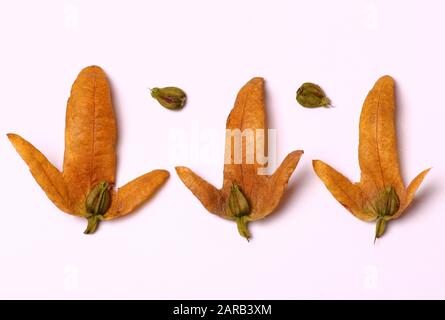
<point>241,223</point>
<point>93,223</point>
<point>379,228</point>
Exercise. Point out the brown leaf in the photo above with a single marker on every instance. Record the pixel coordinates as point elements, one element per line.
<point>411,190</point>
<point>47,176</point>
<point>246,127</point>
<point>246,116</point>
<point>90,155</point>
<point>379,163</point>
<point>90,133</point>
<point>210,197</point>
<point>271,192</point>
<point>348,194</point>
<point>378,156</point>
<point>132,195</point>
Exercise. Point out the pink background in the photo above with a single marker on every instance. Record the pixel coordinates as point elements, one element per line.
<point>172,248</point>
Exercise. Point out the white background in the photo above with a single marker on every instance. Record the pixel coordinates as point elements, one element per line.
<point>173,248</point>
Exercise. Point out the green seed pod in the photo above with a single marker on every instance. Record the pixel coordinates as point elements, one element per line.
<point>392,202</point>
<point>97,204</point>
<point>241,223</point>
<point>310,95</point>
<point>385,205</point>
<point>238,204</point>
<point>379,228</point>
<point>98,201</point>
<point>239,209</point>
<point>170,97</point>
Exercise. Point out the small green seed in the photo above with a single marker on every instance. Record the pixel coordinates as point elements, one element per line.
<point>310,95</point>
<point>170,97</point>
<point>238,205</point>
<point>97,204</point>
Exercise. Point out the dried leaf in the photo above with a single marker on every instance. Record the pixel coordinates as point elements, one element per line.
<point>47,176</point>
<point>379,164</point>
<point>210,197</point>
<point>262,192</point>
<point>132,195</point>
<point>90,155</point>
<point>348,194</point>
<point>378,156</point>
<point>411,190</point>
<point>90,133</point>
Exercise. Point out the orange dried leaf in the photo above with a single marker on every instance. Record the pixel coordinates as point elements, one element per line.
<point>90,157</point>
<point>210,197</point>
<point>90,133</point>
<point>246,126</point>
<point>381,193</point>
<point>47,176</point>
<point>378,156</point>
<point>348,194</point>
<point>129,197</point>
<point>270,193</point>
<point>411,190</point>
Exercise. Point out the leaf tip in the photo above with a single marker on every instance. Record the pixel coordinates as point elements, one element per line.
<point>16,140</point>
<point>426,171</point>
<point>386,79</point>
<point>163,173</point>
<point>12,136</point>
<point>93,69</point>
<point>257,81</point>
<point>184,173</point>
<point>316,164</point>
<point>181,170</point>
<point>297,152</point>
